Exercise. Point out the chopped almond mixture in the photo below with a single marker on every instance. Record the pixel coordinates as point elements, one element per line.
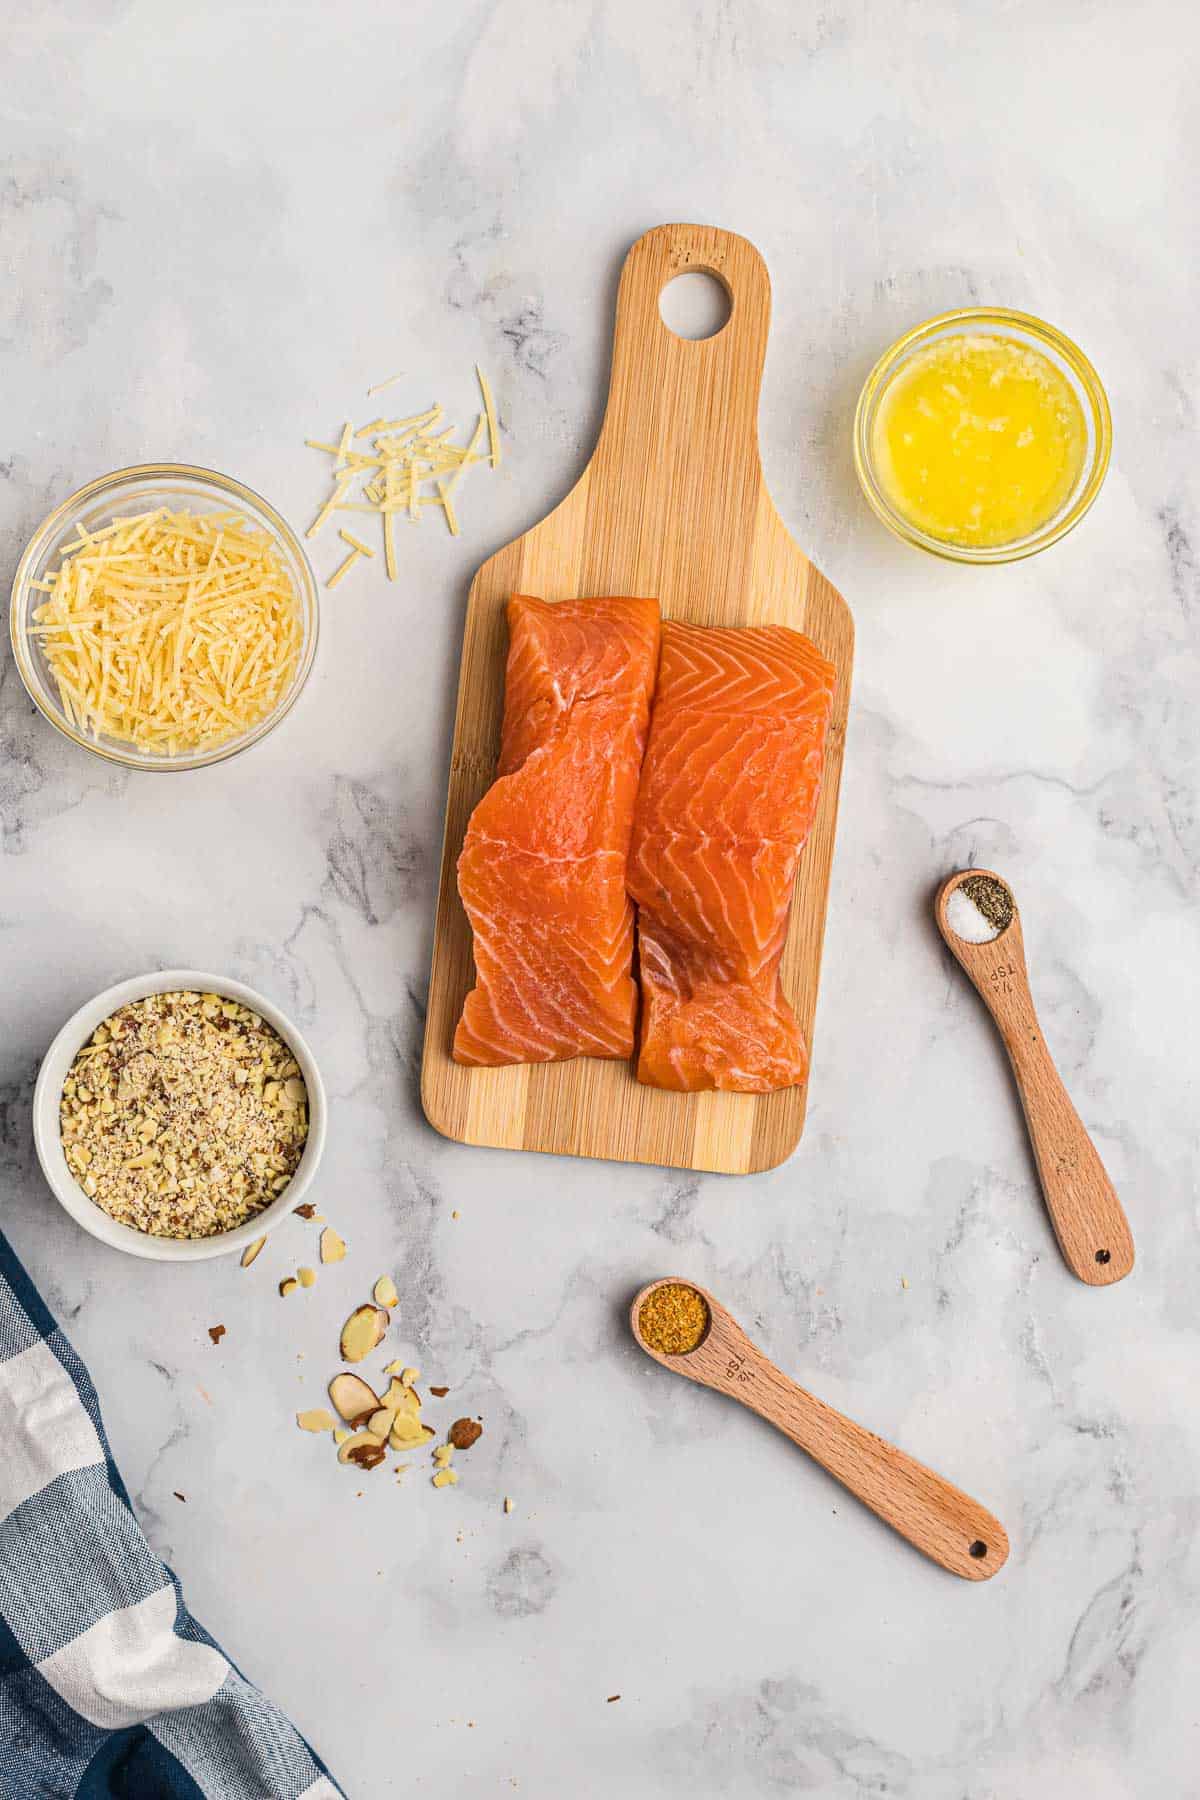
<point>184,1115</point>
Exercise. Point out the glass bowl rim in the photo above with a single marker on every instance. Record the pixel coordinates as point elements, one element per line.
<point>1037,330</point>
<point>147,473</point>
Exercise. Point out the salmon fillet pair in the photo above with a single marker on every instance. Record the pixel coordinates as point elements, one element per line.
<point>702,826</point>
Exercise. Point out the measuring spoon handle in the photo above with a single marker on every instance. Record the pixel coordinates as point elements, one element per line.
<point>937,1518</point>
<point>1088,1219</point>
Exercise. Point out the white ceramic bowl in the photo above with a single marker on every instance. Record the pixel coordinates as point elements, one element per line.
<point>47,1095</point>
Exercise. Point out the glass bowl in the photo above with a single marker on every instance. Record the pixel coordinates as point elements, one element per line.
<point>178,486</point>
<point>1071,363</point>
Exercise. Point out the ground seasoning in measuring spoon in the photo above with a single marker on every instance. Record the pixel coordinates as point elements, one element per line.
<point>673,1319</point>
<point>979,909</point>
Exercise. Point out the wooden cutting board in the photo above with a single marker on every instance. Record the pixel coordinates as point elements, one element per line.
<point>672,505</point>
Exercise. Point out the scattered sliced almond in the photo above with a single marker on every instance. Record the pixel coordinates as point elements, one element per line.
<point>465,1432</point>
<point>362,1449</point>
<point>307,1277</point>
<point>307,1211</point>
<point>446,1478</point>
<point>363,1331</point>
<point>341,1434</point>
<point>406,1437</point>
<point>381,1422</point>
<point>316,1419</point>
<point>393,1368</point>
<point>400,1398</point>
<point>384,1292</point>
<point>352,1397</point>
<point>443,1454</point>
<point>216,1333</point>
<point>410,1377</point>
<point>441,1392</point>
<point>288,1285</point>
<point>251,1251</point>
<point>333,1248</point>
<point>508,1505</point>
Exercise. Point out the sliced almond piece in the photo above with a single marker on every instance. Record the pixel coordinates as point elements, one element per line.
<point>410,1377</point>
<point>384,1292</point>
<point>404,1437</point>
<point>363,1449</point>
<point>316,1419</point>
<point>333,1248</point>
<point>446,1478</point>
<point>508,1505</point>
<point>251,1251</point>
<point>363,1331</point>
<point>401,1399</point>
<point>353,1398</point>
<point>380,1422</point>
<point>288,1286</point>
<point>393,1368</point>
<point>341,1434</point>
<point>443,1454</point>
<point>307,1277</point>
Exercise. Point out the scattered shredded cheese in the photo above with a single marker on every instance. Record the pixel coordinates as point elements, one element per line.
<point>405,457</point>
<point>348,537</point>
<point>170,631</point>
<point>344,568</point>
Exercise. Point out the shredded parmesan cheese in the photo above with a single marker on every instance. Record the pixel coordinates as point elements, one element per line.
<point>348,537</point>
<point>171,631</point>
<point>405,457</point>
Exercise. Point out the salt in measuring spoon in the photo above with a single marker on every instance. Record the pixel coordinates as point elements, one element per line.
<point>977,915</point>
<point>941,1521</point>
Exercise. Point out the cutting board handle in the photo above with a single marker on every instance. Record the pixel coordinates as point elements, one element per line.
<point>682,398</point>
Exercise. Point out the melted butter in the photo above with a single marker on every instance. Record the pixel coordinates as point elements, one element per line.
<point>978,440</point>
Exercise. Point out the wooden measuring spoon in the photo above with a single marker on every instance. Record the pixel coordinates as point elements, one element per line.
<point>1089,1221</point>
<point>942,1522</point>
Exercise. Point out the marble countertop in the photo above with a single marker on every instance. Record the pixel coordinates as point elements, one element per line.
<point>217,232</point>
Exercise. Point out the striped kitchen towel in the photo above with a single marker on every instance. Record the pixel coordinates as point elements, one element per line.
<point>108,1686</point>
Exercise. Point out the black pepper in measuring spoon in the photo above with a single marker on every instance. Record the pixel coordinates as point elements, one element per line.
<point>979,909</point>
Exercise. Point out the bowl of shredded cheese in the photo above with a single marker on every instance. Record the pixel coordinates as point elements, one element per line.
<point>164,617</point>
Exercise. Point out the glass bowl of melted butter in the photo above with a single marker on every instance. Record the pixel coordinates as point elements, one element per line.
<point>982,435</point>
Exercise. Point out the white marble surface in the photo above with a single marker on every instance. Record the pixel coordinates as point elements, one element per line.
<point>219,224</point>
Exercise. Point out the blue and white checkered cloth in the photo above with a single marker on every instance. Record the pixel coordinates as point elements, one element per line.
<point>108,1686</point>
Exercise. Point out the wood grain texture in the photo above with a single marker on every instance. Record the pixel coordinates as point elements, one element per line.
<point>671,505</point>
<point>939,1519</point>
<point>1089,1220</point>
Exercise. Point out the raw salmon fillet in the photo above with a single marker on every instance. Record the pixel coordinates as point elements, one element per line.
<point>542,871</point>
<point>728,794</point>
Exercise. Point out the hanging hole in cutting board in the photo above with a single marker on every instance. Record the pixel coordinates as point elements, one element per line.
<point>695,305</point>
